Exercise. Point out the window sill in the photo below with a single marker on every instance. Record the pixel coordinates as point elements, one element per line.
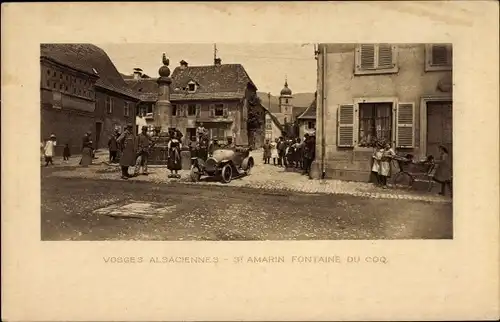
<point>360,72</point>
<point>429,68</point>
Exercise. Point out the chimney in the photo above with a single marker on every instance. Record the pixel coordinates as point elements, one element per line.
<point>137,73</point>
<point>183,64</point>
<point>217,61</point>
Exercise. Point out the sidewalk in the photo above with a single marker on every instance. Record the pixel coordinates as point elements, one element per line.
<point>263,176</point>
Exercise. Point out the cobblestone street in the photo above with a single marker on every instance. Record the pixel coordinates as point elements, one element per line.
<point>263,176</point>
<point>94,204</point>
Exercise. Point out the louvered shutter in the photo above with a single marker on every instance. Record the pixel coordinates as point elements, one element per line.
<point>385,56</point>
<point>404,125</point>
<point>184,110</point>
<point>346,119</point>
<point>225,110</point>
<point>440,55</point>
<point>367,56</point>
<point>198,110</point>
<point>212,110</point>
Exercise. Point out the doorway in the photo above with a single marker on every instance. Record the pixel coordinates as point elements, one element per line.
<point>98,129</point>
<point>439,127</point>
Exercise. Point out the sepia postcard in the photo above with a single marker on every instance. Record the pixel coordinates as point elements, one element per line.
<point>250,161</point>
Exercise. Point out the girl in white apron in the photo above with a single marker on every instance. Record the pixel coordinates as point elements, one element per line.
<point>377,156</point>
<point>385,164</point>
<point>274,151</point>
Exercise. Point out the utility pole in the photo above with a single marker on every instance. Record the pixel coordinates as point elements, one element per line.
<point>215,52</point>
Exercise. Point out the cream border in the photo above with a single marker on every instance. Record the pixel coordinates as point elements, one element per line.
<point>425,280</point>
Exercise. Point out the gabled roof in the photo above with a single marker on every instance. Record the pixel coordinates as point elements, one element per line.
<point>273,118</point>
<point>310,112</point>
<point>90,59</point>
<point>298,110</point>
<point>226,81</point>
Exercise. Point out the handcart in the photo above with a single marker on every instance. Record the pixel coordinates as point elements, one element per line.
<point>411,171</point>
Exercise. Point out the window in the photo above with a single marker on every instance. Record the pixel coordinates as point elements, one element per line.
<point>311,125</point>
<point>191,87</point>
<point>126,109</point>
<point>191,109</point>
<point>219,110</point>
<point>48,83</point>
<point>54,85</point>
<point>149,108</point>
<point>375,59</point>
<point>67,77</point>
<point>174,110</point>
<point>438,57</point>
<point>60,87</point>
<point>375,122</point>
<point>286,101</point>
<point>109,104</point>
<point>48,71</point>
<point>66,88</point>
<point>55,74</point>
<point>74,90</point>
<point>367,120</point>
<point>61,76</point>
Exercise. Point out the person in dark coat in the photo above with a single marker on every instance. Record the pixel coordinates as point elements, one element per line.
<point>174,156</point>
<point>267,152</point>
<point>127,142</point>
<point>113,147</point>
<point>281,151</point>
<point>66,152</point>
<point>308,152</point>
<point>87,150</point>
<point>144,142</point>
<point>443,174</point>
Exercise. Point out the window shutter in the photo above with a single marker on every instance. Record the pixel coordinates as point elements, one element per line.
<point>440,55</point>
<point>184,110</point>
<point>367,56</point>
<point>404,128</point>
<point>212,110</point>
<point>198,110</point>
<point>225,110</point>
<point>385,56</point>
<point>345,135</point>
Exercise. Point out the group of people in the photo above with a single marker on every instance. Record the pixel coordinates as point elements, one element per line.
<point>383,154</point>
<point>291,153</point>
<point>135,151</point>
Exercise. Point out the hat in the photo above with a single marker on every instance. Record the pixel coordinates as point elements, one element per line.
<point>88,132</point>
<point>129,126</point>
<point>52,136</point>
<point>144,127</point>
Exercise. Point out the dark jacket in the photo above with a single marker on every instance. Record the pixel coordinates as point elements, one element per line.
<point>112,143</point>
<point>127,142</point>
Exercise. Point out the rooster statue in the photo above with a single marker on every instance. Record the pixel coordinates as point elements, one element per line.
<point>166,61</point>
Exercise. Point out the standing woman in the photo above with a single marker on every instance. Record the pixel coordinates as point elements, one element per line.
<point>127,143</point>
<point>87,154</point>
<point>443,171</point>
<point>174,156</point>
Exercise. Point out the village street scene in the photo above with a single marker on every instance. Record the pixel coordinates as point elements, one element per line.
<point>246,142</point>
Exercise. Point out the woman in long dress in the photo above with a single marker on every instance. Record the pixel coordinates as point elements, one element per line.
<point>127,142</point>
<point>174,156</point>
<point>443,170</point>
<point>87,147</point>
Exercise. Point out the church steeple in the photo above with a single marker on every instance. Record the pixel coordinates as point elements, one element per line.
<point>286,106</point>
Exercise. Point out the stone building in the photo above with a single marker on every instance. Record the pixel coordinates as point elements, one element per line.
<point>81,90</point>
<point>217,96</point>
<point>399,92</point>
<point>306,121</point>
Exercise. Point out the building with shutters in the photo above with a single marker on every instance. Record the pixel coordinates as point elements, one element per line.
<point>217,96</point>
<point>399,92</point>
<point>81,90</point>
<point>307,119</point>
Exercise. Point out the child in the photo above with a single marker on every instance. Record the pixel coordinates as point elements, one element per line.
<point>66,153</point>
<point>443,174</point>
<point>267,152</point>
<point>49,150</point>
<point>274,151</point>
<point>385,164</point>
<point>377,156</point>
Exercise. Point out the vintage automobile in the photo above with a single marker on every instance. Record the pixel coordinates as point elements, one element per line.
<point>224,163</point>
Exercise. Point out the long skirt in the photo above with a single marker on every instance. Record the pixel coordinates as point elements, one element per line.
<point>174,160</point>
<point>86,157</point>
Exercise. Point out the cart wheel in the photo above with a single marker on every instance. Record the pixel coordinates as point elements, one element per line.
<point>403,179</point>
<point>226,173</point>
<point>249,167</point>
<point>195,174</point>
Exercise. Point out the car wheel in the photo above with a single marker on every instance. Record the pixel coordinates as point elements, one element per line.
<point>226,173</point>
<point>195,174</point>
<point>249,166</point>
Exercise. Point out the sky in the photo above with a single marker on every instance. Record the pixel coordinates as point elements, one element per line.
<point>267,64</point>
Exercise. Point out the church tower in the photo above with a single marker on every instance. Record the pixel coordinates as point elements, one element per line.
<point>286,104</point>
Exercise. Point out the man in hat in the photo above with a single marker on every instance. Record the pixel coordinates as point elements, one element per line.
<point>144,142</point>
<point>128,146</point>
<point>49,150</point>
<point>113,146</point>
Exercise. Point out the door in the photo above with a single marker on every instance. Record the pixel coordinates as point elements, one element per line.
<point>98,129</point>
<point>439,127</point>
<point>191,132</point>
